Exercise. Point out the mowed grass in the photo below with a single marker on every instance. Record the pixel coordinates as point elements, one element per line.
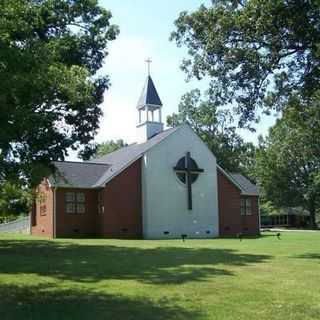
<point>263,278</point>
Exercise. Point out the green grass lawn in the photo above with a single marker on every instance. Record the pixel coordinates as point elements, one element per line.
<point>262,278</point>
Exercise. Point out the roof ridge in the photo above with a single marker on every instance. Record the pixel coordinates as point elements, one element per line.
<point>113,152</point>
<point>135,143</point>
<point>82,162</point>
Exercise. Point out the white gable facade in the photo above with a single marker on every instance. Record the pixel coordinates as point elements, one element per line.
<point>165,198</point>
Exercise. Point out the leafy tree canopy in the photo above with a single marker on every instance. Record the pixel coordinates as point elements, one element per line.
<point>288,161</point>
<point>108,147</point>
<point>50,53</point>
<point>14,201</point>
<point>214,126</point>
<point>257,53</point>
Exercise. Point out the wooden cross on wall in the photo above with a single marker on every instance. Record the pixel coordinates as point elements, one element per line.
<point>190,171</point>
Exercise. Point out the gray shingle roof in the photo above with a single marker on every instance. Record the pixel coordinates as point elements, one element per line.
<point>121,158</point>
<point>95,173</point>
<point>246,185</point>
<point>149,95</point>
<point>77,174</point>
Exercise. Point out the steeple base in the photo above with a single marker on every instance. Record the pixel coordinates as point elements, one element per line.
<point>147,130</point>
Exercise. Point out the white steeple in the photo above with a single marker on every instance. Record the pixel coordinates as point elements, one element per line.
<point>149,111</point>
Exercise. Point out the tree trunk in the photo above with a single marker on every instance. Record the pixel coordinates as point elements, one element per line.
<point>312,212</point>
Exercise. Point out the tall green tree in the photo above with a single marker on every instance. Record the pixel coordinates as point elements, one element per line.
<point>50,55</point>
<point>108,146</point>
<point>288,161</point>
<point>256,53</point>
<point>215,127</point>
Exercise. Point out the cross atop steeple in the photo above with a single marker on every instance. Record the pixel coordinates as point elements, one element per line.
<point>148,61</point>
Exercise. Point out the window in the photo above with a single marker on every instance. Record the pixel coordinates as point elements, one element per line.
<point>100,202</point>
<point>246,207</point>
<point>75,202</point>
<point>181,170</point>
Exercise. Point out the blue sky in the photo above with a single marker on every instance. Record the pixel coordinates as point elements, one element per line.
<point>145,27</point>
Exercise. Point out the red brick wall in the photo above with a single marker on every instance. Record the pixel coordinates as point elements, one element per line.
<point>42,211</point>
<point>77,224</point>
<point>231,222</point>
<point>122,216</point>
<point>229,207</point>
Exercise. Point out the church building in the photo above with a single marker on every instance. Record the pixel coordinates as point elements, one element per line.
<point>166,185</point>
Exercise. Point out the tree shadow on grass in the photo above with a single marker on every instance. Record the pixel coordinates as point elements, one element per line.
<point>51,303</point>
<point>92,263</point>
<point>310,256</point>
